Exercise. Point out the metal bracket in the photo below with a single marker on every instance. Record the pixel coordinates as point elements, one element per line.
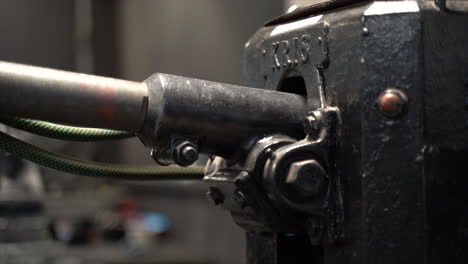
<point>320,146</point>
<point>259,196</point>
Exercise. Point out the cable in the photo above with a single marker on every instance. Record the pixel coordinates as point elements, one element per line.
<point>63,132</point>
<point>59,162</point>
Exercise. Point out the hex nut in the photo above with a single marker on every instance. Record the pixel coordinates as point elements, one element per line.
<point>185,153</point>
<point>307,177</point>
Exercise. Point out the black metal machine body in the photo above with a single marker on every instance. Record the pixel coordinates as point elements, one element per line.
<point>352,150</point>
<point>379,176</point>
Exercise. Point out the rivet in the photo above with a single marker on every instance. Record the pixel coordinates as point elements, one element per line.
<point>392,102</point>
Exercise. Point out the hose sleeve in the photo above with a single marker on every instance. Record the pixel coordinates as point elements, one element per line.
<point>59,162</point>
<point>63,132</point>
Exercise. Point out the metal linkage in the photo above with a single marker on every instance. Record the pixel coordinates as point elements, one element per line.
<point>285,185</point>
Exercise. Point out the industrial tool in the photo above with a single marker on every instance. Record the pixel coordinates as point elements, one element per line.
<point>347,144</point>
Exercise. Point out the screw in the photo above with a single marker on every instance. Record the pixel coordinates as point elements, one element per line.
<point>392,102</point>
<point>185,153</point>
<point>215,196</point>
<point>308,178</point>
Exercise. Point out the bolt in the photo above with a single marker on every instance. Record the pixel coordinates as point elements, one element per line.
<point>312,122</point>
<point>269,152</point>
<point>215,196</point>
<point>185,153</point>
<point>308,178</point>
<point>309,124</point>
<point>392,102</point>
<point>365,31</point>
<point>190,153</point>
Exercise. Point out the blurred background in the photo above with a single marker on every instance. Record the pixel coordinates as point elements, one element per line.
<point>61,218</point>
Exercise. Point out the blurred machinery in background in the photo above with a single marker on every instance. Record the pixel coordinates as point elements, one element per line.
<point>112,38</point>
<point>346,142</point>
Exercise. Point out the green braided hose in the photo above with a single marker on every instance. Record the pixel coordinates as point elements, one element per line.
<point>59,162</point>
<point>63,132</point>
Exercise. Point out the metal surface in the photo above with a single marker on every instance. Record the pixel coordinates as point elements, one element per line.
<point>304,12</point>
<point>71,98</point>
<point>452,5</point>
<point>220,119</point>
<point>398,174</point>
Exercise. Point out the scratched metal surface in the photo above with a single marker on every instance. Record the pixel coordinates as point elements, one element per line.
<point>401,176</point>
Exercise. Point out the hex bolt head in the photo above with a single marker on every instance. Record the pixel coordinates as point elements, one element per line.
<point>215,196</point>
<point>392,102</point>
<point>185,153</point>
<point>308,178</point>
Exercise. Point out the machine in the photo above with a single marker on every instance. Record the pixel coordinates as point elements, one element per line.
<point>346,144</point>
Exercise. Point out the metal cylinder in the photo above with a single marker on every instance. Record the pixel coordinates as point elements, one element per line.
<point>219,118</point>
<point>164,110</point>
<point>71,98</point>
